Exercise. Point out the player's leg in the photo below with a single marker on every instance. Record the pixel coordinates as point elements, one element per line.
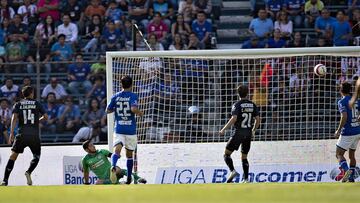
<point>352,164</point>
<point>130,145</point>
<point>232,145</point>
<point>35,148</point>
<point>245,148</point>
<point>118,144</point>
<point>342,145</point>
<point>17,148</point>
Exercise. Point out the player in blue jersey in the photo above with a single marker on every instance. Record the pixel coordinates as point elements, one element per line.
<point>348,132</point>
<point>125,106</point>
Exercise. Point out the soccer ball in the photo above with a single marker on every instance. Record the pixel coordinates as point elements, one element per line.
<point>320,70</point>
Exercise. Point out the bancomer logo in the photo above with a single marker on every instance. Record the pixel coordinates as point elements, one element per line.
<point>219,175</point>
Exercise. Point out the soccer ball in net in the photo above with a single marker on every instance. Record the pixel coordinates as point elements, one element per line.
<point>320,70</point>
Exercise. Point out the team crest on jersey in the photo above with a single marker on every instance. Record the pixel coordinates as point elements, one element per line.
<point>98,156</point>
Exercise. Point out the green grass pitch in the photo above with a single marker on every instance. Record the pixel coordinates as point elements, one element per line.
<point>209,193</point>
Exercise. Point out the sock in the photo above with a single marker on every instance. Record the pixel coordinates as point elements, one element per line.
<point>352,169</point>
<point>245,165</point>
<point>129,164</point>
<point>9,167</point>
<point>344,165</point>
<point>229,162</point>
<point>33,164</point>
<point>114,159</point>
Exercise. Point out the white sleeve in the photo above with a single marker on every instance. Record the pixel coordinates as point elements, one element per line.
<point>45,91</point>
<point>74,33</point>
<point>81,134</point>
<point>62,91</point>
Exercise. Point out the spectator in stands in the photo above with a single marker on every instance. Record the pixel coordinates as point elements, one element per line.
<point>68,116</point>
<point>95,8</point>
<point>202,28</point>
<point>138,11</point>
<point>158,28</point>
<point>10,91</point>
<point>75,9</point>
<point>177,43</point>
<point>166,92</point>
<point>140,44</point>
<point>273,7</point>
<point>115,14</point>
<point>276,41</point>
<point>295,10</point>
<point>355,24</point>
<point>323,24</point>
<point>18,30</point>
<point>69,29</point>
<point>321,42</point>
<point>93,33</point>
<point>203,6</point>
<point>16,51</point>
<point>262,26</point>
<point>6,12</point>
<point>78,75</point>
<point>94,114</point>
<point>112,38</point>
<point>99,68</point>
<point>154,43</point>
<point>98,90</point>
<point>284,25</point>
<point>181,28</point>
<point>253,43</point>
<point>127,30</point>
<point>194,42</point>
<point>5,27</point>
<point>353,4</point>
<point>312,11</point>
<point>61,51</point>
<point>298,41</point>
<point>88,133</point>
<point>52,110</point>
<point>49,7</point>
<point>341,30</point>
<point>194,130</point>
<point>45,34</point>
<point>2,67</point>
<point>54,87</point>
<point>28,12</point>
<point>5,119</point>
<point>165,8</point>
<point>26,82</point>
<point>188,10</point>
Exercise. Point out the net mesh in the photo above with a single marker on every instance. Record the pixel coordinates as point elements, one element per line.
<point>190,99</point>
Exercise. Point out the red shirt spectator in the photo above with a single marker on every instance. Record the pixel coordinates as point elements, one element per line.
<point>158,27</point>
<point>95,9</point>
<point>49,7</point>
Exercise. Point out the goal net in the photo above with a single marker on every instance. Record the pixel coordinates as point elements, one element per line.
<point>187,95</point>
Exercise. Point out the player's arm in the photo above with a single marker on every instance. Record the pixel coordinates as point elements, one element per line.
<point>228,125</point>
<point>355,94</point>
<point>85,172</point>
<point>256,124</point>
<point>342,124</point>
<point>14,120</point>
<point>111,106</point>
<point>137,111</point>
<point>44,117</point>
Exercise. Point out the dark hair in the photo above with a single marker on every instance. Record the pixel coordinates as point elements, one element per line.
<point>157,13</point>
<point>345,88</point>
<point>201,12</point>
<point>61,35</point>
<point>50,93</point>
<point>86,144</point>
<point>52,25</point>
<point>126,81</point>
<point>243,91</point>
<point>98,77</point>
<point>27,77</point>
<point>27,91</point>
<point>90,102</point>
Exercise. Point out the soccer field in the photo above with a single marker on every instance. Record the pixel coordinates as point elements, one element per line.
<point>250,193</point>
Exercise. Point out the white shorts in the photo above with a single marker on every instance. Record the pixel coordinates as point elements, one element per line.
<point>128,141</point>
<point>348,142</point>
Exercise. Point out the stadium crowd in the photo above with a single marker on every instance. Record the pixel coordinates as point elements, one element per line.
<point>66,37</point>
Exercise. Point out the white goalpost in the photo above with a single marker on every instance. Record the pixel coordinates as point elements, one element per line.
<point>187,98</point>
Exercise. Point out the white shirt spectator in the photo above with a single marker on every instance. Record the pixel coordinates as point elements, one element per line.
<point>32,9</point>
<point>284,27</point>
<point>85,133</point>
<point>59,91</point>
<point>10,93</point>
<point>70,31</point>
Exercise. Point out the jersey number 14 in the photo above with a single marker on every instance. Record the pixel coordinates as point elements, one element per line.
<point>28,117</point>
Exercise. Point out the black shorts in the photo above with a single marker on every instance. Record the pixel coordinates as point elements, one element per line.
<point>22,141</point>
<point>237,140</point>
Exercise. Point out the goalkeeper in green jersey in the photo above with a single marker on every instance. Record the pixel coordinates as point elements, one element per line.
<point>97,161</point>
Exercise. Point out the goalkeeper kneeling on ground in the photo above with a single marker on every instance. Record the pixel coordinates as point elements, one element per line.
<point>97,161</point>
